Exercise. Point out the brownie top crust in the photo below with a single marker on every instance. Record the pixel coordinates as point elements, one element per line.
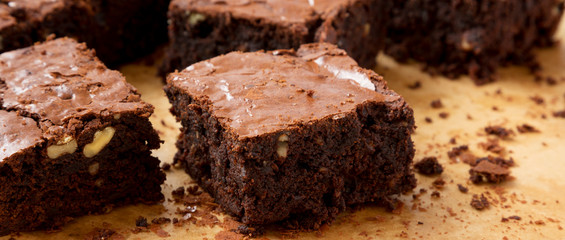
<point>13,11</point>
<point>282,12</point>
<point>46,91</point>
<point>261,92</point>
<point>16,133</point>
<point>62,79</point>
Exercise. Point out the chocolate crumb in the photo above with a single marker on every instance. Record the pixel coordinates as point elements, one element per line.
<point>515,217</point>
<point>178,193</point>
<point>428,166</point>
<point>438,183</point>
<point>453,140</point>
<point>175,220</point>
<point>310,93</point>
<point>499,131</point>
<point>551,81</point>
<point>492,145</point>
<point>537,99</point>
<point>415,85</point>
<point>539,222</point>
<point>141,222</point>
<point>560,114</point>
<point>479,202</point>
<point>161,220</point>
<point>462,188</point>
<point>526,128</point>
<point>436,104</point>
<point>166,167</point>
<point>488,171</point>
<point>420,223</point>
<point>443,115</point>
<point>435,194</point>
<point>428,120</point>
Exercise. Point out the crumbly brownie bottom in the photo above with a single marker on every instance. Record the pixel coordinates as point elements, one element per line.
<point>43,193</point>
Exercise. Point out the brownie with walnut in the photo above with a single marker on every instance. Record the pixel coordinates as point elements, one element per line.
<point>291,135</point>
<point>202,29</point>
<point>75,138</point>
<point>120,31</point>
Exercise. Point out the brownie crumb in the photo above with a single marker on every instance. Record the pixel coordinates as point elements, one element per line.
<point>439,183</point>
<point>415,85</point>
<point>560,114</point>
<point>435,194</point>
<point>310,93</point>
<point>193,190</point>
<point>461,152</point>
<point>499,131</point>
<point>539,222</point>
<point>492,145</point>
<point>488,171</point>
<point>420,223</point>
<point>538,100</point>
<point>436,103</point>
<point>479,202</point>
<point>526,128</point>
<point>496,160</point>
<point>166,167</point>
<point>161,220</point>
<point>178,193</point>
<point>249,231</point>
<point>551,81</point>
<point>428,120</point>
<point>462,188</point>
<point>141,222</point>
<point>428,166</point>
<point>514,217</point>
<point>443,115</point>
<point>453,140</point>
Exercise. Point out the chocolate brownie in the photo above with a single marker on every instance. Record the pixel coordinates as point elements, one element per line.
<point>118,30</point>
<point>202,29</point>
<point>291,135</point>
<point>455,37</point>
<point>75,138</point>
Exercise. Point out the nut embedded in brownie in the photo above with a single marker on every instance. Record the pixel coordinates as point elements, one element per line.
<point>287,135</point>
<point>75,138</point>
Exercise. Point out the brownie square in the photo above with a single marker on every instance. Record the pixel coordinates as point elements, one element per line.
<point>291,135</point>
<point>120,31</point>
<point>202,29</point>
<point>75,138</point>
<point>455,37</point>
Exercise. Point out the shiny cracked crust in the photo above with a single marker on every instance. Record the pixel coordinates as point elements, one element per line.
<point>46,89</point>
<point>281,88</point>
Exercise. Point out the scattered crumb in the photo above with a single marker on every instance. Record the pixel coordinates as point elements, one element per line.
<point>439,183</point>
<point>537,99</point>
<point>166,167</point>
<point>141,222</point>
<point>415,85</point>
<point>428,120</point>
<point>178,193</point>
<point>161,220</point>
<point>488,171</point>
<point>443,115</point>
<point>492,145</point>
<point>435,194</point>
<point>436,104</point>
<point>453,140</point>
<point>479,202</point>
<point>560,114</point>
<point>526,128</point>
<point>499,131</point>
<point>462,188</point>
<point>462,153</point>
<point>428,166</point>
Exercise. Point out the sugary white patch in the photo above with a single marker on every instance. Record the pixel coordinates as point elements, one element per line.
<point>224,86</point>
<point>311,2</point>
<point>189,68</point>
<point>357,77</point>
